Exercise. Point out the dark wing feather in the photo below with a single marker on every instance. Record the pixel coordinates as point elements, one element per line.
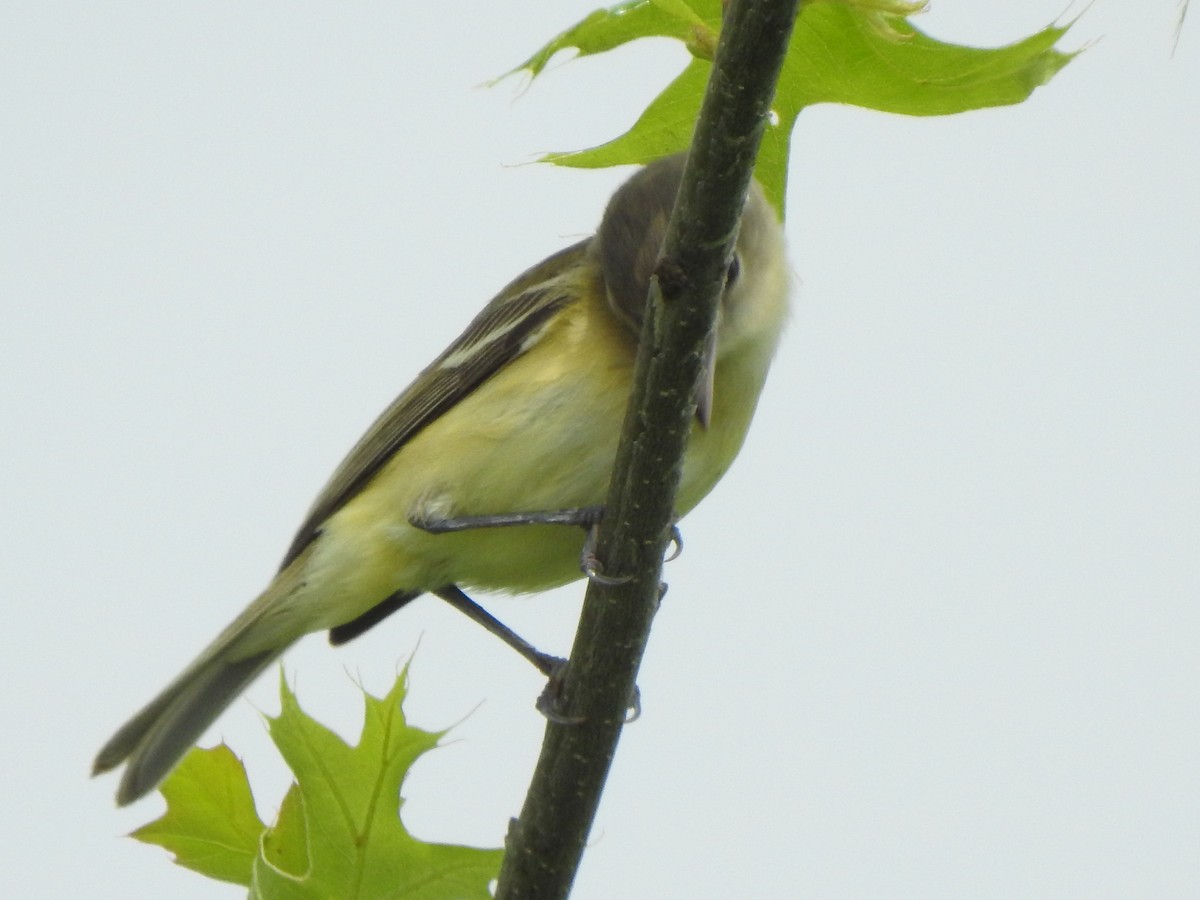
<point>499,334</point>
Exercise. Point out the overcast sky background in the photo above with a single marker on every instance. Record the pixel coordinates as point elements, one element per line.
<point>934,636</point>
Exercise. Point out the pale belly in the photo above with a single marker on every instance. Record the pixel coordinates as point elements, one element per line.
<point>547,445</point>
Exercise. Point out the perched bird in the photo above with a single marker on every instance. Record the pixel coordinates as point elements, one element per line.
<point>520,415</point>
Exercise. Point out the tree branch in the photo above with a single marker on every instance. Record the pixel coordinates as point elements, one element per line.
<point>546,843</point>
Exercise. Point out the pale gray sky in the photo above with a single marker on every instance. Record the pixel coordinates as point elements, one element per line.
<point>934,636</point>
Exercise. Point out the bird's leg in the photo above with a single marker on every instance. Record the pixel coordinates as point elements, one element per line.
<point>548,665</point>
<point>581,516</point>
<point>586,517</point>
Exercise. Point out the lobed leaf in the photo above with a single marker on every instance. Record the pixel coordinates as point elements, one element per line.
<point>338,832</point>
<point>856,52</point>
<point>211,825</point>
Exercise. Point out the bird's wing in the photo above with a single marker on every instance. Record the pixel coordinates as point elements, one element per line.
<point>506,328</point>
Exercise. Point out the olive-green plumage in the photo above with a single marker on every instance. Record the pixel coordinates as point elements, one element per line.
<point>521,413</point>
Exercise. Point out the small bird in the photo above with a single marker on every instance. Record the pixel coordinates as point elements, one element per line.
<point>475,476</point>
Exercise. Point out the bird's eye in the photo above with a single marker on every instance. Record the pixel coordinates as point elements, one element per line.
<point>734,270</point>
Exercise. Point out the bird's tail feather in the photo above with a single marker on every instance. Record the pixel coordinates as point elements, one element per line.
<point>154,740</point>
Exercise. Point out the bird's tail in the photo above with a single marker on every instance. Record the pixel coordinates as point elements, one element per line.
<point>157,737</point>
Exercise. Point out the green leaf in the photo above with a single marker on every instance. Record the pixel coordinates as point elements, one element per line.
<point>284,847</point>
<point>665,127</point>
<point>837,57</point>
<point>210,824</point>
<point>338,833</point>
<point>605,29</point>
<point>854,52</point>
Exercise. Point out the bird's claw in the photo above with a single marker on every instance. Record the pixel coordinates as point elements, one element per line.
<point>676,543</point>
<point>550,701</point>
<point>591,566</point>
